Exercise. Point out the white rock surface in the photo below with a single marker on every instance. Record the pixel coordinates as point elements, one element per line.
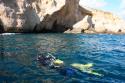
<point>56,16</point>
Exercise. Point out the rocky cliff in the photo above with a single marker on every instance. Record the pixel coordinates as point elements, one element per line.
<point>56,16</point>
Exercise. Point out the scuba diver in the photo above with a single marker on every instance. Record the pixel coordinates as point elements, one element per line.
<point>46,60</point>
<point>57,64</point>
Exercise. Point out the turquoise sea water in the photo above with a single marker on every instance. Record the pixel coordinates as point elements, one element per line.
<point>18,54</point>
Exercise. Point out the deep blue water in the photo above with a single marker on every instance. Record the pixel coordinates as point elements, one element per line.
<point>18,55</point>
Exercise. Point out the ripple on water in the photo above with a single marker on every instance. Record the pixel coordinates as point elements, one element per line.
<point>18,64</point>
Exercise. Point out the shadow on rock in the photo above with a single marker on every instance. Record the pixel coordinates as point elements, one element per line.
<point>63,19</point>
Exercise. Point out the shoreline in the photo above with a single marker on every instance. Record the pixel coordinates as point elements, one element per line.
<point>11,33</point>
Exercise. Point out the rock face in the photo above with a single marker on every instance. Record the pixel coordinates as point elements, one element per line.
<point>18,15</point>
<point>65,16</point>
<point>105,22</point>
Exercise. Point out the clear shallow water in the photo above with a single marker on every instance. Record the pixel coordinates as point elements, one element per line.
<point>19,52</point>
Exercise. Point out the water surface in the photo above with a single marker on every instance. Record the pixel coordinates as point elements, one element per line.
<point>18,55</point>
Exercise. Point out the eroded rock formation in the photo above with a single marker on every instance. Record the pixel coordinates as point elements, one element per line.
<point>105,22</point>
<point>56,16</point>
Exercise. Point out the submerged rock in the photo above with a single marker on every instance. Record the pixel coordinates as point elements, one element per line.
<point>65,16</point>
